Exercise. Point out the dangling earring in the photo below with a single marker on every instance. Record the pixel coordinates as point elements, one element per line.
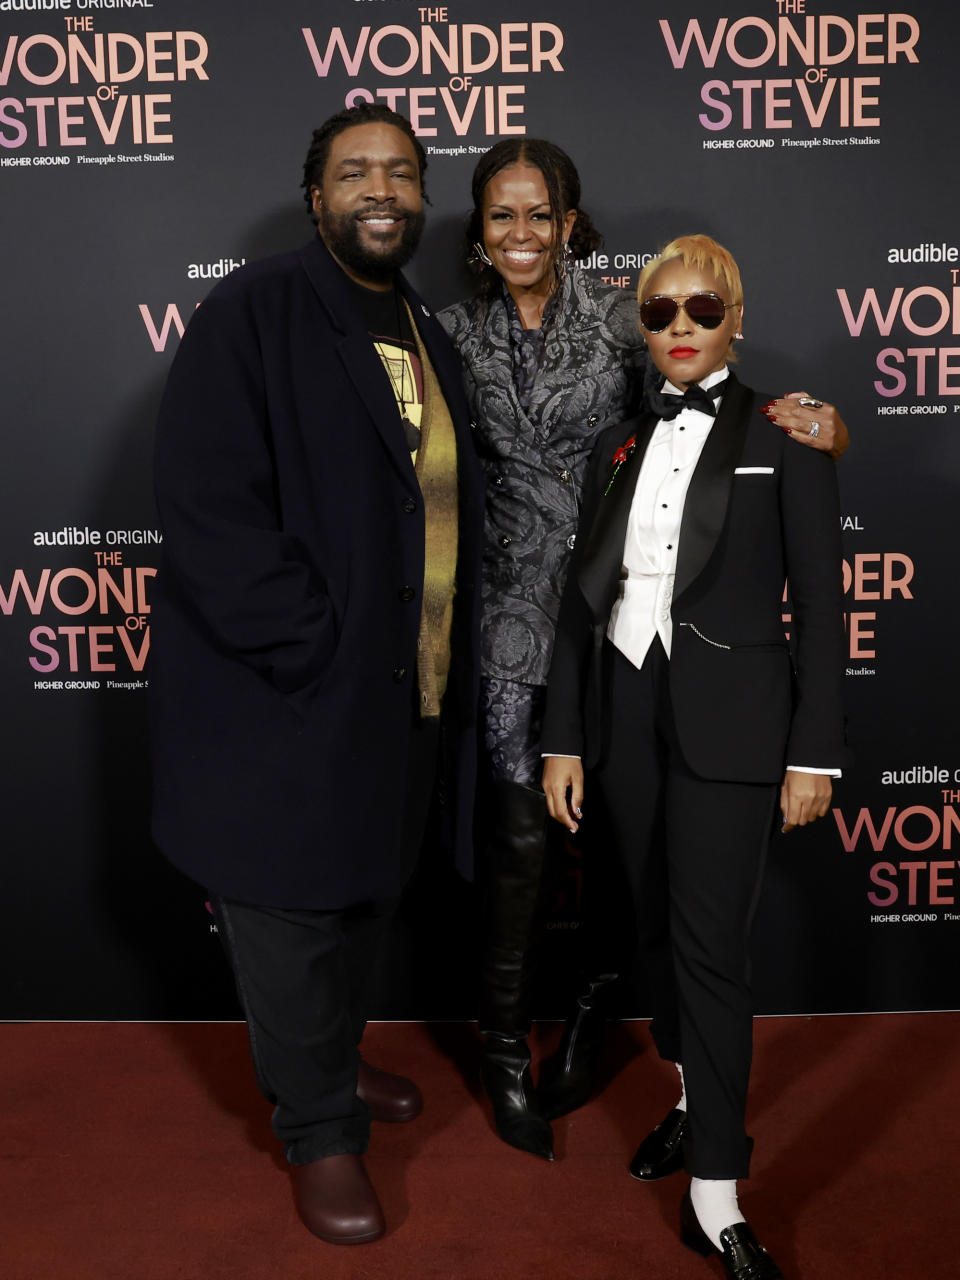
<point>739,335</point>
<point>561,264</point>
<point>479,256</point>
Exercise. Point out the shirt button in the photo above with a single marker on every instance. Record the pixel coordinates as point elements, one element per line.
<point>683,428</point>
<point>676,469</point>
<point>669,546</point>
<point>572,541</point>
<point>406,593</point>
<point>398,674</point>
<point>409,505</point>
<point>505,541</point>
<point>664,505</point>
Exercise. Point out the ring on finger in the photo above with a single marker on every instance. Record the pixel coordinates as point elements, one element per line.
<point>814,430</point>
<point>810,402</point>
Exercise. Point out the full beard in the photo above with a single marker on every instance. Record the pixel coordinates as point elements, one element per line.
<point>341,233</point>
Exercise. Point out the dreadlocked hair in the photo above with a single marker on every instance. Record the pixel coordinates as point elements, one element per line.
<point>322,138</point>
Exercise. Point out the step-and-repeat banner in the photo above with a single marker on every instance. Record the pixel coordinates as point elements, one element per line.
<point>148,147</point>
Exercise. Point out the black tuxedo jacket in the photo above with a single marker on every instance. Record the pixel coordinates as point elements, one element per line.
<point>284,664</point>
<point>759,509</point>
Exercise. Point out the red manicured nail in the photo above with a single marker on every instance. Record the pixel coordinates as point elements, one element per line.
<point>787,430</point>
<point>767,405</point>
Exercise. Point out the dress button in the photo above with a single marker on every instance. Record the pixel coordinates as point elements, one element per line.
<point>593,419</point>
<point>572,541</point>
<point>409,505</point>
<point>498,480</point>
<point>473,426</point>
<point>564,476</point>
<point>398,674</point>
<point>406,593</point>
<point>505,541</point>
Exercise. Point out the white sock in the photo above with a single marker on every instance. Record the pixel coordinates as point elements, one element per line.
<point>682,1104</point>
<point>715,1204</point>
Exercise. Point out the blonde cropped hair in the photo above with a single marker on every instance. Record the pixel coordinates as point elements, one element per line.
<point>702,252</point>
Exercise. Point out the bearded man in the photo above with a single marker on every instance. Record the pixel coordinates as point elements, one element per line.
<point>314,668</point>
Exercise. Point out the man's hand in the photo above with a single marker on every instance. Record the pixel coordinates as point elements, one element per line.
<point>799,420</point>
<point>563,786</point>
<point>804,797</point>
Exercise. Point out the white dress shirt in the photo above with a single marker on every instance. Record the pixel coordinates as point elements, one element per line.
<point>642,609</point>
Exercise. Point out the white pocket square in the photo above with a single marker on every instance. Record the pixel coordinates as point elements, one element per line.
<point>754,471</point>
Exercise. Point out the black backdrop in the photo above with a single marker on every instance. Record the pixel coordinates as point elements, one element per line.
<point>146,148</point>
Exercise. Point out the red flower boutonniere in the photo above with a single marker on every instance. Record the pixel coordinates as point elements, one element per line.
<point>619,458</point>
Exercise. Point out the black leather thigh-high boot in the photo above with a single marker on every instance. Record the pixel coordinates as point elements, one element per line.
<point>514,875</point>
<point>569,1076</point>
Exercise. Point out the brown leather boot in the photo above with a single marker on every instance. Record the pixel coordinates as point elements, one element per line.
<point>390,1098</point>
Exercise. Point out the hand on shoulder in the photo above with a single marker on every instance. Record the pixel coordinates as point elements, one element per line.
<point>810,422</point>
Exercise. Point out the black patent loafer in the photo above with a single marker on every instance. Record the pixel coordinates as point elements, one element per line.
<point>743,1257</point>
<point>660,1154</point>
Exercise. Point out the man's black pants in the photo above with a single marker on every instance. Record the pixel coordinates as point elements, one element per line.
<point>304,979</point>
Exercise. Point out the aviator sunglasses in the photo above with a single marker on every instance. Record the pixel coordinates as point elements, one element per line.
<point>704,309</point>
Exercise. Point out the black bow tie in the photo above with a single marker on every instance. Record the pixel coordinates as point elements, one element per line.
<point>667,405</point>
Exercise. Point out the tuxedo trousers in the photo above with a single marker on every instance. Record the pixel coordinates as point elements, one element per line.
<point>305,979</point>
<point>693,852</point>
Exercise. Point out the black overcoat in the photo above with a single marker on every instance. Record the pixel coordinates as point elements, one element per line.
<point>284,629</point>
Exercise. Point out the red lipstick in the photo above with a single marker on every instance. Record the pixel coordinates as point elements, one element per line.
<point>683,353</point>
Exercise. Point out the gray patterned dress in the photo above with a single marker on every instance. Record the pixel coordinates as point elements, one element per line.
<point>534,431</point>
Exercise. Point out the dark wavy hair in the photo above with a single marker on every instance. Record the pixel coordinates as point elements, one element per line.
<point>363,113</point>
<point>563,191</point>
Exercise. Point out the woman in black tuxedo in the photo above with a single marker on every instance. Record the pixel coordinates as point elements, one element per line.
<point>672,681</point>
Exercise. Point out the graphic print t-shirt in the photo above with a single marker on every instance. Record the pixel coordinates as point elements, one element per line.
<point>391,332</point>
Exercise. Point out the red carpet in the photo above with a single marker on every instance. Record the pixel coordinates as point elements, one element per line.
<point>143,1152</point>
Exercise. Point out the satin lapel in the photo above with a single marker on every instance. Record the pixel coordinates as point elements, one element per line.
<point>599,573</point>
<point>705,508</point>
<point>357,352</point>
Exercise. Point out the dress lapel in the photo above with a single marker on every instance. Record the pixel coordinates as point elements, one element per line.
<point>561,373</point>
<point>599,573</point>
<point>708,496</point>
